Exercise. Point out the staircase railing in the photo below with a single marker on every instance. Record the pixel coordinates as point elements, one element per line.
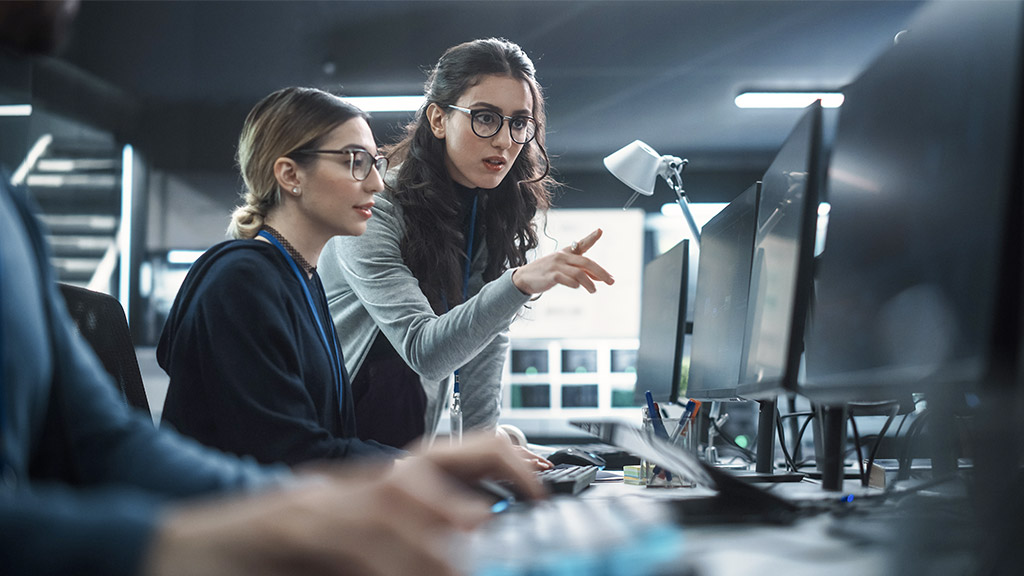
<point>33,156</point>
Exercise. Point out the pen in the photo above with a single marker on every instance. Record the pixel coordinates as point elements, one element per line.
<point>691,405</point>
<point>656,422</point>
<point>658,425</point>
<point>693,416</point>
<point>504,498</point>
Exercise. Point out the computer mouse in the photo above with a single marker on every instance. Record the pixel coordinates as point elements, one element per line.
<point>576,457</point>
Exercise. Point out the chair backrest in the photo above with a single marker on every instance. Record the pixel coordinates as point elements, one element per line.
<point>101,321</point>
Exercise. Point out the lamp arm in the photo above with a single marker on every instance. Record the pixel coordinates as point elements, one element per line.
<point>672,172</point>
<point>631,200</point>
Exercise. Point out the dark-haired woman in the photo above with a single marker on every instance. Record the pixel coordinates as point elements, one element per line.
<point>431,288</point>
<point>255,365</point>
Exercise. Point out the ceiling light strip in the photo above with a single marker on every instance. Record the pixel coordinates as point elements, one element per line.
<point>386,103</point>
<point>15,110</point>
<point>788,99</point>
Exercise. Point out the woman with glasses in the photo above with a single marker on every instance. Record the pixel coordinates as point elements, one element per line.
<point>430,290</point>
<point>254,360</point>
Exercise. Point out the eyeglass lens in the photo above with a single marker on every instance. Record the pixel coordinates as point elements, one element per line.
<point>362,162</point>
<point>487,124</point>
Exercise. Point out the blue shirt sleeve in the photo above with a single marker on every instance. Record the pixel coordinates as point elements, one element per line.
<point>83,490</point>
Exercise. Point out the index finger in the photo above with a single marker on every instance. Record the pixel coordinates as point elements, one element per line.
<point>596,271</point>
<point>586,243</point>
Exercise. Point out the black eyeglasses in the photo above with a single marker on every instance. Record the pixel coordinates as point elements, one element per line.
<point>360,161</point>
<point>487,123</point>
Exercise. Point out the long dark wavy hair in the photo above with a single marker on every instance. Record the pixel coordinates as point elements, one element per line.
<point>434,247</point>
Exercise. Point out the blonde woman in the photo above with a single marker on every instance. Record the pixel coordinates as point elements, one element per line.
<point>254,359</point>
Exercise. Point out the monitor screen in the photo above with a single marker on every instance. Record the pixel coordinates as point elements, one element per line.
<point>782,267</point>
<point>924,162</point>
<point>720,307</point>
<point>659,363</point>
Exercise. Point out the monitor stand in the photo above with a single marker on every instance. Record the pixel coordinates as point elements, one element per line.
<point>832,430</point>
<point>765,467</point>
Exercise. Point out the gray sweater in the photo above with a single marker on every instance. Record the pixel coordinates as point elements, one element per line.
<point>370,289</point>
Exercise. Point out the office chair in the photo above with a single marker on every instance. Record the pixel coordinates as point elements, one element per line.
<point>101,321</point>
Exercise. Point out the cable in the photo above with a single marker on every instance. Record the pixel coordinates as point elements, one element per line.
<point>797,414</point>
<point>793,426</point>
<point>906,458</point>
<point>881,435</point>
<point>856,445</point>
<point>750,456</point>
<point>803,428</point>
<point>782,440</point>
<point>899,428</point>
<point>797,450</point>
<point>902,422</point>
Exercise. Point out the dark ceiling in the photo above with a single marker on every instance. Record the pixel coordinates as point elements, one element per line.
<point>664,72</point>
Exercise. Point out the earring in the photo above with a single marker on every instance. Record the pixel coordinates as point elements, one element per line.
<point>295,190</point>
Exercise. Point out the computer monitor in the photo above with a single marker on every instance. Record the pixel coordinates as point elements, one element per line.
<point>924,165</point>
<point>923,184</point>
<point>783,258</point>
<point>781,273</point>
<point>659,363</point>
<point>720,306</point>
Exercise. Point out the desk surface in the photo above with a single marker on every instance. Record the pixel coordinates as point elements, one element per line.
<point>808,546</point>
<point>631,530</point>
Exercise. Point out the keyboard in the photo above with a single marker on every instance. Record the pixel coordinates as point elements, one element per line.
<point>568,478</point>
<point>574,535</point>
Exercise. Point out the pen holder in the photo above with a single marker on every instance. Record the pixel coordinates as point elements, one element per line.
<point>653,476</point>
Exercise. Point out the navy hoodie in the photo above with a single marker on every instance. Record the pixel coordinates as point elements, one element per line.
<point>249,371</point>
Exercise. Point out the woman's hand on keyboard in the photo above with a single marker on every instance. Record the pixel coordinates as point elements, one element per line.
<point>534,461</point>
<point>514,436</point>
<point>485,456</point>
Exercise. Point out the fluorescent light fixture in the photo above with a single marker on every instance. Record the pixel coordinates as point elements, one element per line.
<point>788,99</point>
<point>186,257</point>
<point>16,110</point>
<point>386,103</point>
<point>124,236</point>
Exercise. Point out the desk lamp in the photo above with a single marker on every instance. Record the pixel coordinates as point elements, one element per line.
<point>638,166</point>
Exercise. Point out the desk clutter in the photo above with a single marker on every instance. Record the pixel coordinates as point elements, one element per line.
<point>566,535</point>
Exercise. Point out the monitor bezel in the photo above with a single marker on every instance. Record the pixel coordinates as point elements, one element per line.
<point>641,386</point>
<point>725,392</point>
<point>787,382</point>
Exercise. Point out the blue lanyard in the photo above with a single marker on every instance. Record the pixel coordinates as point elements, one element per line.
<point>469,250</point>
<point>465,276</point>
<point>336,364</point>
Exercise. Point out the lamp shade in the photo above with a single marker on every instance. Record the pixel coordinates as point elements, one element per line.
<point>637,165</point>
